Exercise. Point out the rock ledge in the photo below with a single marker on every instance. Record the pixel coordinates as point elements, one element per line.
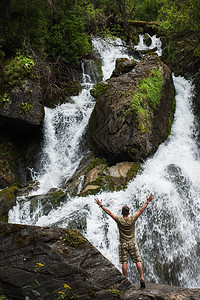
<point>66,257</point>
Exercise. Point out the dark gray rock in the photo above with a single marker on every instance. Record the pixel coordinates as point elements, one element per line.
<point>24,109</point>
<point>124,128</point>
<point>68,258</point>
<point>147,40</point>
<point>7,201</point>
<point>55,256</point>
<point>123,65</point>
<point>8,163</point>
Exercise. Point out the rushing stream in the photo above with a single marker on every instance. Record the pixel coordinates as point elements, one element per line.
<point>168,232</point>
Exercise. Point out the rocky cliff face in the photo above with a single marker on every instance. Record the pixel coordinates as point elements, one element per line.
<point>45,263</point>
<point>21,118</point>
<point>134,110</point>
<point>24,108</point>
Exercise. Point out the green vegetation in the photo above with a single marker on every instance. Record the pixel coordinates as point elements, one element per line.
<point>2,296</point>
<point>133,172</point>
<point>180,17</point>
<point>146,99</point>
<point>32,289</point>
<point>25,108</point>
<point>66,293</point>
<point>8,198</point>
<point>115,292</point>
<point>59,30</point>
<point>18,68</point>
<point>96,162</point>
<point>99,88</point>
<point>74,239</point>
<point>55,28</point>
<point>6,97</point>
<point>92,293</point>
<point>197,51</point>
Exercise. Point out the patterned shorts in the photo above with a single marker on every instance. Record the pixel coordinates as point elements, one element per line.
<point>131,248</point>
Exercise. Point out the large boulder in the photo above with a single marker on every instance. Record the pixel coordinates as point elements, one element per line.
<point>22,108</point>
<point>53,263</point>
<point>43,259</point>
<point>133,112</point>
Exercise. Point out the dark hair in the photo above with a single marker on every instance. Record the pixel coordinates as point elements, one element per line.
<point>125,210</point>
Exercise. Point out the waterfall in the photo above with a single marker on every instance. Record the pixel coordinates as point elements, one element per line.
<point>168,232</point>
<point>64,127</point>
<point>155,42</point>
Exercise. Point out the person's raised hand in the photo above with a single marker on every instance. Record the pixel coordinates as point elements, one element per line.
<point>150,198</point>
<point>97,201</point>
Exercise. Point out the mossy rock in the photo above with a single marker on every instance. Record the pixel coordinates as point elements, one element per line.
<point>132,116</point>
<point>7,201</point>
<point>146,99</point>
<point>99,89</point>
<point>123,65</point>
<point>104,178</point>
<point>74,238</point>
<point>49,201</point>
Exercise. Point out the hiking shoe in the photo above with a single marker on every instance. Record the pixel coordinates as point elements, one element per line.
<point>142,284</point>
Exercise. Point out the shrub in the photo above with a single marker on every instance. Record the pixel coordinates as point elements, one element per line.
<point>18,68</point>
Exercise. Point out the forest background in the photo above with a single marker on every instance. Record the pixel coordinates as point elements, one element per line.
<point>60,30</point>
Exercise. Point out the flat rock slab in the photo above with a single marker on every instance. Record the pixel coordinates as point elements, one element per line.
<point>162,292</point>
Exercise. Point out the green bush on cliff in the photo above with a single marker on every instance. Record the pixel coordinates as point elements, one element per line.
<point>19,67</point>
<point>146,99</point>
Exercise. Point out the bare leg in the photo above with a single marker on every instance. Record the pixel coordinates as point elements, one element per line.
<point>124,269</point>
<point>139,267</point>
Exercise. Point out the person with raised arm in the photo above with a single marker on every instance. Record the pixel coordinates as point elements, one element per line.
<point>128,245</point>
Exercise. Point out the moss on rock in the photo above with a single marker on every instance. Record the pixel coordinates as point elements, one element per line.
<point>99,89</point>
<point>145,100</point>
<point>112,178</point>
<point>7,201</point>
<point>75,239</point>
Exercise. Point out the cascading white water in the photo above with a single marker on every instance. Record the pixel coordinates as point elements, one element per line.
<point>155,42</point>
<point>65,125</point>
<point>168,232</point>
<point>110,50</point>
<point>63,129</point>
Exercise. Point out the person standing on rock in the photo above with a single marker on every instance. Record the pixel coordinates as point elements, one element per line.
<point>128,245</point>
